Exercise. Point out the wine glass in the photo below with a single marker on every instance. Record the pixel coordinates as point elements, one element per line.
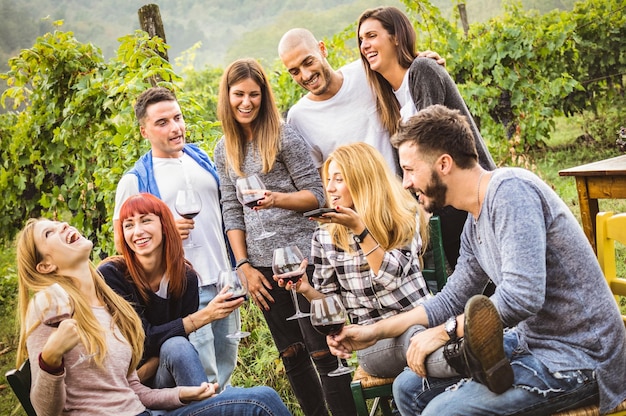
<point>188,205</point>
<point>328,316</point>
<point>250,190</point>
<point>54,305</point>
<point>287,264</point>
<point>238,286</point>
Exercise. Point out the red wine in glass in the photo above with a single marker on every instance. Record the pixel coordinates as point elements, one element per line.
<point>53,305</point>
<point>328,329</point>
<point>294,276</point>
<point>189,215</point>
<point>287,264</point>
<point>188,205</point>
<point>237,286</point>
<point>328,316</point>
<point>253,202</point>
<point>250,190</point>
<point>55,321</point>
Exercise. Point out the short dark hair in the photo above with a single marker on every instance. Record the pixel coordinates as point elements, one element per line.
<point>437,130</point>
<point>151,96</point>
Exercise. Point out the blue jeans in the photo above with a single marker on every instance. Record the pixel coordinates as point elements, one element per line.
<point>535,390</point>
<point>303,350</point>
<point>233,401</point>
<point>179,365</point>
<point>218,354</point>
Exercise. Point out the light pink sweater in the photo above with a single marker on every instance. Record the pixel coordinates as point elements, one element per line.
<point>91,390</point>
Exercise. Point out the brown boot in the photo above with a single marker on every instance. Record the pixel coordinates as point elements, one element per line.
<point>484,345</point>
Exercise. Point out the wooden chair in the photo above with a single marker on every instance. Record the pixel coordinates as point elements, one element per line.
<point>19,380</point>
<point>610,228</point>
<point>365,386</point>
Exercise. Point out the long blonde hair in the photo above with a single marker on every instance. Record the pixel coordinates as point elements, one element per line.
<point>92,333</point>
<point>266,127</point>
<point>387,209</point>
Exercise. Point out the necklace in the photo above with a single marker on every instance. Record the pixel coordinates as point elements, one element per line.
<point>480,180</point>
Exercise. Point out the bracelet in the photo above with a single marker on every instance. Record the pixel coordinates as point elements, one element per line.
<point>372,250</point>
<point>242,262</point>
<point>55,371</point>
<point>195,328</point>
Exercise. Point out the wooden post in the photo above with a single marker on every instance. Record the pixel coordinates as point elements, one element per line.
<point>150,21</point>
<point>463,14</point>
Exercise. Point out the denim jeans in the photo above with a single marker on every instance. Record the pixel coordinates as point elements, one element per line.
<point>313,389</point>
<point>179,365</point>
<point>535,390</point>
<point>233,401</point>
<point>387,358</point>
<point>218,354</point>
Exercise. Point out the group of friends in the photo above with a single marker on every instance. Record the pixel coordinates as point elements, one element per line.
<point>154,324</point>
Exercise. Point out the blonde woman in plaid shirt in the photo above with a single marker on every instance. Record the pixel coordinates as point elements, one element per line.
<point>368,251</point>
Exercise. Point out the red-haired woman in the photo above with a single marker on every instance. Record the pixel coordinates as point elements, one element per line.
<point>153,275</point>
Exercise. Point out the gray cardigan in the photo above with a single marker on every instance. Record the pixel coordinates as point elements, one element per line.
<point>431,84</point>
<point>549,282</point>
<point>293,171</point>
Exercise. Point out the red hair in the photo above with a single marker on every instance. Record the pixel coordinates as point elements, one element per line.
<point>172,246</point>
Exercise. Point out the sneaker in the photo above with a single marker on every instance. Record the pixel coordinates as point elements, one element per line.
<point>484,345</point>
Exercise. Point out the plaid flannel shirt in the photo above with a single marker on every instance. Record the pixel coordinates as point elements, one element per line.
<point>368,297</point>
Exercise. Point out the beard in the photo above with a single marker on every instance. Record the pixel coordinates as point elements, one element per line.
<point>325,76</point>
<point>436,192</point>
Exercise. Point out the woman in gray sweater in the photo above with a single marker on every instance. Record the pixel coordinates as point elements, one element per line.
<point>256,141</point>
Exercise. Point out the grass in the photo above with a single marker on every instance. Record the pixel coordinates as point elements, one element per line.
<point>258,360</point>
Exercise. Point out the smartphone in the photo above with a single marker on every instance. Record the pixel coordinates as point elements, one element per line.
<point>318,212</point>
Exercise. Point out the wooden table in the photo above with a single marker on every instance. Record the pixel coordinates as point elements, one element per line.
<point>605,179</point>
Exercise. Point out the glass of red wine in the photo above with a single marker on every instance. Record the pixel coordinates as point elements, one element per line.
<point>238,286</point>
<point>250,190</point>
<point>328,316</point>
<point>52,306</point>
<point>188,205</point>
<point>287,264</point>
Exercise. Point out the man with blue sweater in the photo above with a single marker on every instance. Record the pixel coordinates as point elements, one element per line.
<point>173,165</point>
<point>565,340</point>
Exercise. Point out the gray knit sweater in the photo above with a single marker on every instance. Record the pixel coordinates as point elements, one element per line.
<point>431,84</point>
<point>549,283</point>
<point>293,171</point>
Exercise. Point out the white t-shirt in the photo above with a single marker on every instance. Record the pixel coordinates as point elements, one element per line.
<point>349,116</point>
<point>403,95</point>
<point>172,175</point>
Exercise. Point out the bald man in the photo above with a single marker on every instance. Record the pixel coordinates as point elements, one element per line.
<point>339,107</point>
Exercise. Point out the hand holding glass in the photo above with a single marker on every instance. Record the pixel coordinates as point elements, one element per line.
<point>250,190</point>
<point>287,264</point>
<point>188,205</point>
<point>238,286</point>
<point>52,306</point>
<point>328,316</point>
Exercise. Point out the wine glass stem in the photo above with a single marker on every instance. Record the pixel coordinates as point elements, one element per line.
<point>339,361</point>
<point>294,295</point>
<point>260,221</point>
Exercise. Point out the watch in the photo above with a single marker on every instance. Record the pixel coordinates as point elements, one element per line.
<point>359,238</point>
<point>451,328</point>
